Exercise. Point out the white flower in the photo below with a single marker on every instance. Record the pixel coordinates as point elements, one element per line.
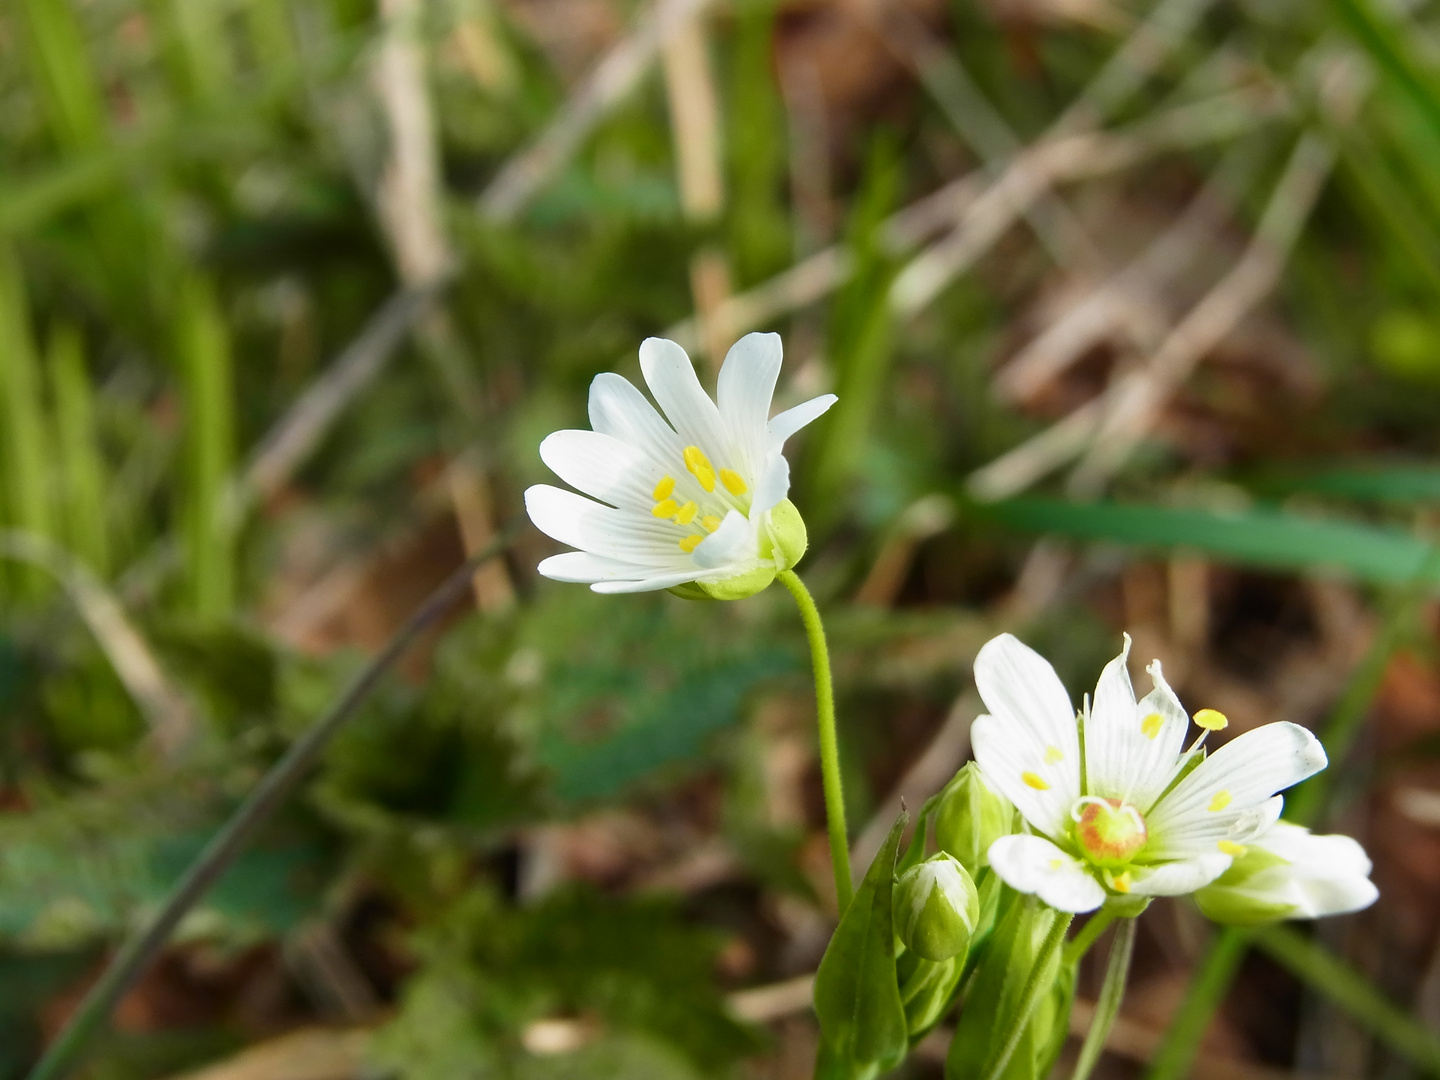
<point>1289,873</point>
<point>699,499</point>
<point>1132,812</point>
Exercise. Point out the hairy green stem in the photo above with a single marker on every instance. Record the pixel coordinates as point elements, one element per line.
<point>136,955</point>
<point>1107,1005</point>
<point>829,742</point>
<point>1097,925</point>
<point>1032,993</point>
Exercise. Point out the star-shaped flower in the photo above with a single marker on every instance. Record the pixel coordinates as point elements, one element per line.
<point>1115,803</point>
<point>700,499</point>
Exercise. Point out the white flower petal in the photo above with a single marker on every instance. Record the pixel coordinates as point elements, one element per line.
<point>1179,877</point>
<point>652,583</point>
<point>790,421</point>
<point>616,534</point>
<point>1222,797</point>
<point>1033,865</point>
<point>1132,750</point>
<point>620,410</point>
<point>772,486</point>
<point>602,466</point>
<point>583,568</point>
<point>732,545</point>
<point>744,392</point>
<point>1028,747</point>
<point>672,380</point>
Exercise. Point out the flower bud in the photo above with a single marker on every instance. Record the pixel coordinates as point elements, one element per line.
<point>970,817</point>
<point>936,908</point>
<point>787,534</point>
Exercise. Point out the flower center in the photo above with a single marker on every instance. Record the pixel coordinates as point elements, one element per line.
<point>687,513</point>
<point>1109,832</point>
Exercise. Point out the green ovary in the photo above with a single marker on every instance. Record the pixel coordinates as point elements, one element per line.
<point>1109,833</point>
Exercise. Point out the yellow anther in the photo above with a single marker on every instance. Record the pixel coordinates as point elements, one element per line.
<point>1219,802</point>
<point>733,481</point>
<point>1212,720</point>
<point>700,467</point>
<point>664,489</point>
<point>1121,882</point>
<point>690,543</point>
<point>1057,864</point>
<point>1229,847</point>
<point>686,513</point>
<point>1052,755</point>
<point>1152,724</point>
<point>1035,781</point>
<point>710,523</point>
<point>665,508</point>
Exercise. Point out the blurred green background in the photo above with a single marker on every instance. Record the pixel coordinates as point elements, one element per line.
<point>1132,312</point>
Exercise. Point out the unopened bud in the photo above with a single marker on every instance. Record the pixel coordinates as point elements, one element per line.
<point>1240,896</point>
<point>936,908</point>
<point>970,817</point>
<point>740,586</point>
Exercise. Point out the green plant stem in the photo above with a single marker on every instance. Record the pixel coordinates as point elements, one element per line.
<point>829,742</point>
<point>1207,989</point>
<point>1349,989</point>
<point>1107,1005</point>
<point>1093,928</point>
<point>1031,994</point>
<point>136,955</point>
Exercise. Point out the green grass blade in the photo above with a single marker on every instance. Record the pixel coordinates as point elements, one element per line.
<point>24,447</point>
<point>1258,537</point>
<point>203,358</point>
<point>83,489</point>
<point>1393,54</point>
<point>1348,988</point>
<point>62,73</point>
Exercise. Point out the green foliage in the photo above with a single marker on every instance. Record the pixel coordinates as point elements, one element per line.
<point>632,969</point>
<point>863,1026</point>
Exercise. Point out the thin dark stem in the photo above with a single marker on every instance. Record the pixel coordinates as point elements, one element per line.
<point>136,955</point>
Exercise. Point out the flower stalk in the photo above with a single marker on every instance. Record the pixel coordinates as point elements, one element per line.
<point>1107,1006</point>
<point>829,741</point>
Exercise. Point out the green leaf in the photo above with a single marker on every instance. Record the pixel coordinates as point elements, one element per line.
<point>1381,482</point>
<point>857,996</point>
<point>1260,537</point>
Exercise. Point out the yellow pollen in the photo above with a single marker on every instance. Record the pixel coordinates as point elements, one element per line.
<point>663,489</point>
<point>1229,847</point>
<point>665,508</point>
<point>1212,720</point>
<point>1151,725</point>
<point>1219,802</point>
<point>686,514</point>
<point>710,523</point>
<point>1121,882</point>
<point>1032,780</point>
<point>690,543</point>
<point>1056,864</point>
<point>700,467</point>
<point>733,481</point>
<point>1052,755</point>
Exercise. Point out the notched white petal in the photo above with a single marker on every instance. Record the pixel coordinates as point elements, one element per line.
<point>787,423</point>
<point>672,379</point>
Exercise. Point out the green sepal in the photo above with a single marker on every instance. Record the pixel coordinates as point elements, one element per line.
<point>996,995</point>
<point>787,535</point>
<point>863,1030</point>
<point>740,586</point>
<point>690,591</point>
